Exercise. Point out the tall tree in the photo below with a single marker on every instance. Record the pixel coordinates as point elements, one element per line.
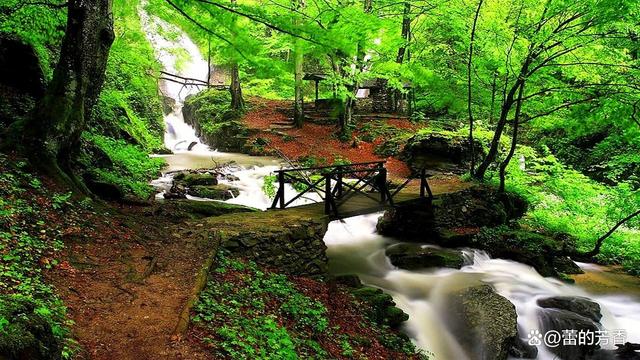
<point>469,95</point>
<point>298,63</point>
<point>53,133</point>
<point>237,101</point>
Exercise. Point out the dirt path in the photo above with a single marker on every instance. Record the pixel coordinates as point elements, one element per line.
<point>126,285</point>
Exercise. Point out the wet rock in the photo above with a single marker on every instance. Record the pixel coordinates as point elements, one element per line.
<point>579,305</point>
<point>177,191</point>
<point>214,192</point>
<point>552,319</point>
<point>26,334</point>
<point>484,322</point>
<point>522,350</point>
<point>168,103</point>
<point>414,256</point>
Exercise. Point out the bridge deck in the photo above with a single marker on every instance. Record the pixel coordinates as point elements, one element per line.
<point>358,204</point>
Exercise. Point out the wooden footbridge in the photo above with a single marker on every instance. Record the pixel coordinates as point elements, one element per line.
<point>342,191</point>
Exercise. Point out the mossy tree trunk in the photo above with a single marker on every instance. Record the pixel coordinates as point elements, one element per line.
<point>52,135</point>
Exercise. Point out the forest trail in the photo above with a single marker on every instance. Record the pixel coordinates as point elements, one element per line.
<point>126,287</point>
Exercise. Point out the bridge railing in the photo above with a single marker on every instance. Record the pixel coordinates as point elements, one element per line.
<point>339,183</point>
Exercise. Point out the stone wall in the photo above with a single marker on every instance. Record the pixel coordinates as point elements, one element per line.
<point>284,240</point>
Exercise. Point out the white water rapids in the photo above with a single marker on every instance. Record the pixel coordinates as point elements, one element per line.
<point>353,245</point>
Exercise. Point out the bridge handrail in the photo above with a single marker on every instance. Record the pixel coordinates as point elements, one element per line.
<point>380,162</point>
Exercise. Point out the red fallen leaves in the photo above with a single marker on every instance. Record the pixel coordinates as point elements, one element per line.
<point>319,141</point>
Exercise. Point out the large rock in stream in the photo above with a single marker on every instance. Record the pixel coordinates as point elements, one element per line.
<point>415,256</point>
<point>485,323</point>
<point>574,314</point>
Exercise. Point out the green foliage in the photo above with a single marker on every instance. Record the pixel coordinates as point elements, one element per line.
<point>131,167</point>
<point>245,314</point>
<point>129,103</point>
<point>28,247</point>
<point>565,201</point>
<point>39,26</point>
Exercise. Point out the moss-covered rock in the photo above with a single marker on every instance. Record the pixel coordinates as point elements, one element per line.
<point>380,306</point>
<point>545,253</point>
<point>214,192</point>
<point>194,179</point>
<point>25,331</point>
<point>220,127</point>
<point>414,256</point>
<point>450,214</point>
<point>439,151</point>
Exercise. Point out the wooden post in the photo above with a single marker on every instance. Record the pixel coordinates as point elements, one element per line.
<point>327,194</point>
<point>383,184</point>
<point>317,81</point>
<point>339,185</point>
<point>281,188</point>
<point>422,181</point>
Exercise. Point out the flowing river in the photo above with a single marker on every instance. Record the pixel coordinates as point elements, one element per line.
<point>355,248</point>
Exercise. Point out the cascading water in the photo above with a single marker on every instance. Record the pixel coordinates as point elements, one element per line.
<point>355,248</point>
<point>181,57</point>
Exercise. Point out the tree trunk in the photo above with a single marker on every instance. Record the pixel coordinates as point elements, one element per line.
<point>600,241</point>
<point>298,61</point>
<point>237,101</point>
<point>469,97</point>
<point>406,32</point>
<point>53,133</point>
<point>502,120</point>
<point>514,139</point>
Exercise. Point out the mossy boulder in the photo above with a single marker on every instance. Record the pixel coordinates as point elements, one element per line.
<point>415,256</point>
<point>26,332</point>
<point>545,253</point>
<point>577,304</point>
<point>484,322</point>
<point>439,151</point>
<point>380,306</point>
<point>441,220</point>
<point>220,127</point>
<point>214,192</point>
<point>194,179</point>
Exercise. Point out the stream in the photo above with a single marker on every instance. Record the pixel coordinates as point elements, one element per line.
<point>355,248</point>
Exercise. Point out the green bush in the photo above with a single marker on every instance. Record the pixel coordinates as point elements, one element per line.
<point>564,200</point>
<point>131,167</point>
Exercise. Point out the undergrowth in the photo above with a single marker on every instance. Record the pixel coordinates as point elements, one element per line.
<point>247,312</point>
<point>131,168</point>
<point>33,220</point>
